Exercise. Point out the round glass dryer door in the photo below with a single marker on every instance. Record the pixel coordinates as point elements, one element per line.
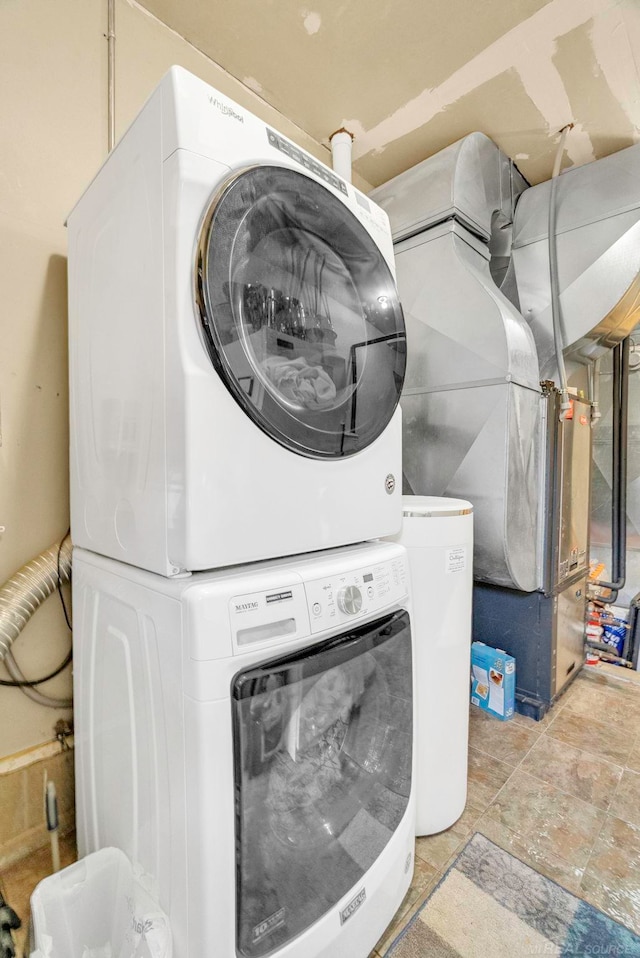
<point>300,312</point>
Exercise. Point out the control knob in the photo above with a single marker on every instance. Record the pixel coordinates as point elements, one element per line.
<point>350,600</point>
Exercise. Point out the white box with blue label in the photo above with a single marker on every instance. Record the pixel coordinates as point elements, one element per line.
<point>493,680</point>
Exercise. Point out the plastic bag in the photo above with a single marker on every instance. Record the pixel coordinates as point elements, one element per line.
<point>98,908</point>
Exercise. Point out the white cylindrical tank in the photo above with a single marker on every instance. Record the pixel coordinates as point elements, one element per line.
<point>438,536</point>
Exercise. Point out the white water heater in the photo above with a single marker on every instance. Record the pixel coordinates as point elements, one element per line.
<point>438,536</point>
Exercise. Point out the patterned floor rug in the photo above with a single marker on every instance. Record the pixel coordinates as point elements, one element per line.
<point>490,905</point>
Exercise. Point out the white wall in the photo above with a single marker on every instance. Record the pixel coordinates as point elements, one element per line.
<point>53,137</point>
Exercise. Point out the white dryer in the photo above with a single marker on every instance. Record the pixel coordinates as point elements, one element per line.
<point>246,738</point>
<point>237,347</point>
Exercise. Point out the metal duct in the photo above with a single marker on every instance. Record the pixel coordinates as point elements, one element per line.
<point>471,401</point>
<point>620,425</point>
<point>471,181</point>
<point>598,252</point>
<point>480,332</point>
<point>22,595</point>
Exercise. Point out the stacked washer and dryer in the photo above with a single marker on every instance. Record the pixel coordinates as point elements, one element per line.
<point>243,651</point>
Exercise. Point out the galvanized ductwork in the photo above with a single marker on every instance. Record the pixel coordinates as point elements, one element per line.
<point>598,252</point>
<point>489,415</point>
<point>472,255</point>
<point>471,399</point>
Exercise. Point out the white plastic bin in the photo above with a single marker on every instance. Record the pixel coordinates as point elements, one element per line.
<point>97,909</point>
<point>438,536</point>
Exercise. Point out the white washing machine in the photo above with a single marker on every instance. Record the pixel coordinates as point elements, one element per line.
<point>245,737</point>
<point>237,347</point>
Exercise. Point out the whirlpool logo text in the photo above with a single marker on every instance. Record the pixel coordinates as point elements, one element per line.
<point>225,109</point>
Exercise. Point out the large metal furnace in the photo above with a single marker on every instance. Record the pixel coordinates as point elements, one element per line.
<point>497,409</point>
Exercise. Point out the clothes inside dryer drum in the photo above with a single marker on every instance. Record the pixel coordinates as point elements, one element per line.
<point>300,312</point>
<point>323,748</point>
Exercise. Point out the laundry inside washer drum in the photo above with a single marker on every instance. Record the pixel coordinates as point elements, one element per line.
<point>324,748</point>
<point>300,312</point>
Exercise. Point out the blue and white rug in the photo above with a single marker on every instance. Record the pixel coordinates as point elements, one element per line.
<point>491,905</point>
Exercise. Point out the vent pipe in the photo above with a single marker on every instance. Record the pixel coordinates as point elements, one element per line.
<point>565,402</point>
<point>111,74</point>
<point>341,142</point>
<point>20,596</point>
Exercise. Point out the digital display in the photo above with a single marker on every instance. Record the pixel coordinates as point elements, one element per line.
<point>368,577</point>
<point>307,161</point>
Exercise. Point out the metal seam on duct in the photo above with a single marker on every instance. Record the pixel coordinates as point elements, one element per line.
<point>471,384</point>
<point>443,513</point>
<point>522,244</point>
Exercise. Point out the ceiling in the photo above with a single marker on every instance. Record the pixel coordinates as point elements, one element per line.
<point>409,77</point>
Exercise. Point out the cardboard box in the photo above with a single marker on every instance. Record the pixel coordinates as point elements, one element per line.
<point>493,680</point>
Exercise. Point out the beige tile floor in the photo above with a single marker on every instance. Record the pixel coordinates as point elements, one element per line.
<point>562,795</point>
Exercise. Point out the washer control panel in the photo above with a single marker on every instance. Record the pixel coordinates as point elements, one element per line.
<point>349,595</point>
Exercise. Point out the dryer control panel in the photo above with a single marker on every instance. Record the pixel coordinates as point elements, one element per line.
<point>333,600</point>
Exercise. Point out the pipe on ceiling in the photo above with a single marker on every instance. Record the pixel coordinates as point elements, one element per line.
<point>20,597</point>
<point>341,143</point>
<point>565,402</point>
<point>111,74</point>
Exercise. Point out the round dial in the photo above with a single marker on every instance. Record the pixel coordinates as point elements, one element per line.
<point>350,600</point>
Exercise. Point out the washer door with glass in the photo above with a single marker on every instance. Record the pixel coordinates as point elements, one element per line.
<point>300,312</point>
<point>323,750</point>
